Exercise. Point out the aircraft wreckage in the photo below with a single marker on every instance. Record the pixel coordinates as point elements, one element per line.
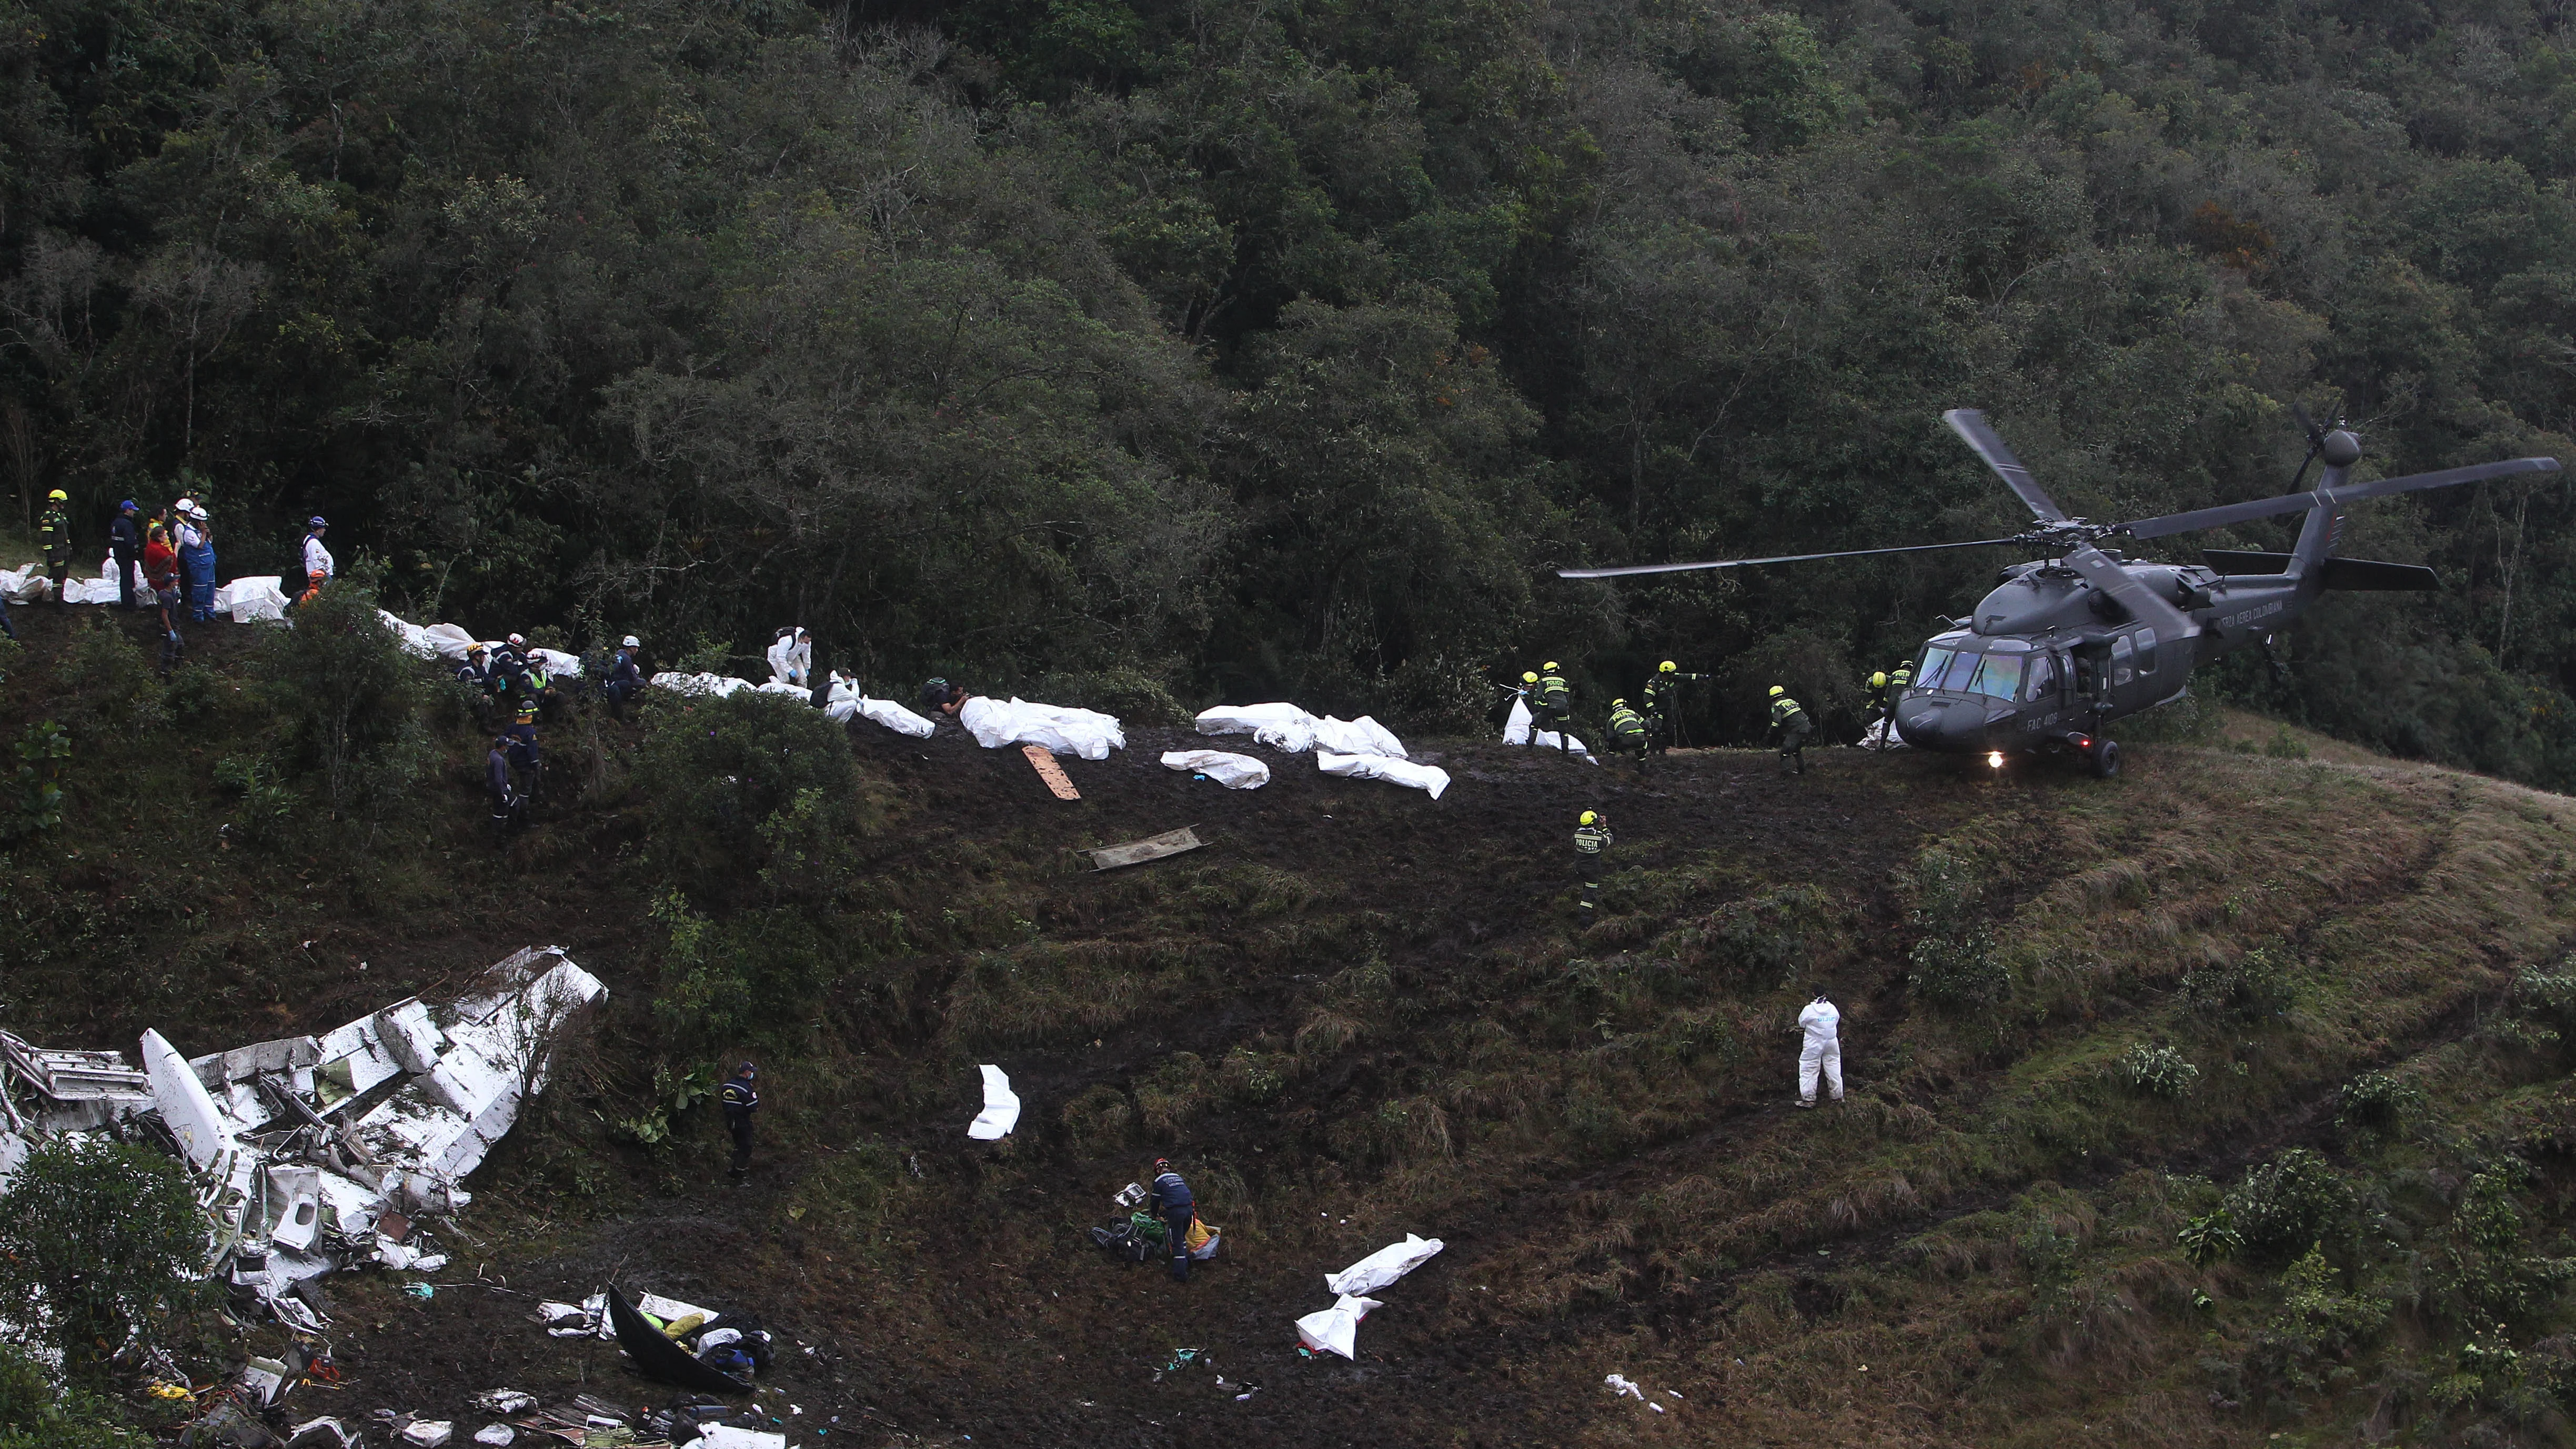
<point>312,1154</point>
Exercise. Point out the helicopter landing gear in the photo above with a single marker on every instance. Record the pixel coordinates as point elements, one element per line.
<point>2103,759</point>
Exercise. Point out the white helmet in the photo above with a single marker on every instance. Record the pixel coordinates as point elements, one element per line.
<point>185,505</point>
<point>196,511</point>
<point>517,643</point>
<point>632,643</point>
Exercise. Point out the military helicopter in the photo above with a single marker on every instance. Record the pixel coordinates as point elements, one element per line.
<point>2066,645</point>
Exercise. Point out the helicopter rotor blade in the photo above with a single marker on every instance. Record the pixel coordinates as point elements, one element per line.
<point>2144,604</point>
<point>1737,563</point>
<point>2227,513</point>
<point>1973,430</point>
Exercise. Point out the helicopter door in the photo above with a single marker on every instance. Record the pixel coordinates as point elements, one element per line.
<point>2124,662</point>
<point>2044,674</point>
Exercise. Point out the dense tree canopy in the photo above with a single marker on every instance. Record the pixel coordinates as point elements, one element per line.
<point>1285,348</point>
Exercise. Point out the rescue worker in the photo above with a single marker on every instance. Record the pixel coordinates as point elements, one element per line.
<point>1881,698</point>
<point>1822,1051</point>
<point>741,1097</point>
<point>1527,694</point>
<point>625,677</point>
<point>522,735</point>
<point>161,575</point>
<point>791,657</point>
<point>125,545</point>
<point>1591,837</point>
<point>195,537</point>
<point>510,667</point>
<point>1556,702</point>
<point>476,673</point>
<point>1628,732</point>
<point>943,697</point>
<point>1170,1200</point>
<point>1789,721</point>
<point>1664,703</point>
<point>54,537</point>
<point>497,784</point>
<point>318,566</point>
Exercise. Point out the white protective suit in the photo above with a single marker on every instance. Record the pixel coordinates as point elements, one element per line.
<point>1822,1051</point>
<point>791,658</point>
<point>317,559</point>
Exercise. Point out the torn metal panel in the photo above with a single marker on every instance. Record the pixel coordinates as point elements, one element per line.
<point>1152,847</point>
<point>75,1091</point>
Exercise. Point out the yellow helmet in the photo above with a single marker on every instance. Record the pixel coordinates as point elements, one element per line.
<point>58,496</point>
<point>1618,704</point>
<point>1587,818</point>
<point>1666,667</point>
<point>1878,680</point>
<point>1551,666</point>
<point>1778,690</point>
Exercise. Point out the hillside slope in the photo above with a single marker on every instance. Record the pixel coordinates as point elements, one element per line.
<point>1361,1012</point>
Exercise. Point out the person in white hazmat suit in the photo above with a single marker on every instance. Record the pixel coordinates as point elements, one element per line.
<point>1822,1052</point>
<point>791,659</point>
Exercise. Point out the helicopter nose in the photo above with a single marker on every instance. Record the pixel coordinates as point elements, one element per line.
<point>1952,725</point>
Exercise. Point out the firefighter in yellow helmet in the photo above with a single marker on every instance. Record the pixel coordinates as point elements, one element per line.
<point>54,538</point>
<point>1789,723</point>
<point>1591,837</point>
<point>1663,695</point>
<point>1554,704</point>
<point>1628,732</point>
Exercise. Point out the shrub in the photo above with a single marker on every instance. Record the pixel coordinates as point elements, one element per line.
<point>2316,1321</point>
<point>347,700</point>
<point>2210,1238</point>
<point>98,1241</point>
<point>263,807</point>
<point>35,1413</point>
<point>1957,971</point>
<point>2377,1102</point>
<point>112,688</point>
<point>38,805</point>
<point>756,785</point>
<point>2254,986</point>
<point>2286,1205</point>
<point>2157,1071</point>
<point>2484,1261</point>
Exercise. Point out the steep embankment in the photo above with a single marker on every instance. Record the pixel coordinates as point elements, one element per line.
<point>1360,1012</point>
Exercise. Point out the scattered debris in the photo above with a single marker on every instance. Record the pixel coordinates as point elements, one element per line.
<point>1384,1266</point>
<point>1620,1384</point>
<point>1430,778</point>
<point>498,1436</point>
<point>727,1351</point>
<point>1001,1108</point>
<point>1152,847</point>
<point>505,1401</point>
<point>1042,760</point>
<point>1234,772</point>
<point>313,1154</point>
<point>1336,1329</point>
<point>323,1433</point>
<point>726,1436</point>
<point>428,1433</point>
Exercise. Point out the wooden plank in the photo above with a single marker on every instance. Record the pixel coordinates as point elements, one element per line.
<point>1152,847</point>
<point>1043,759</point>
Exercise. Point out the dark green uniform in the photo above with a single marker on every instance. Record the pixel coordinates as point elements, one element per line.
<point>1664,706</point>
<point>1589,842</point>
<point>1628,732</point>
<point>54,536</point>
<point>1555,706</point>
<point>1789,721</point>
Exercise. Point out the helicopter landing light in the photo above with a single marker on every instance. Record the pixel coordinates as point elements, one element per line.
<point>1995,759</point>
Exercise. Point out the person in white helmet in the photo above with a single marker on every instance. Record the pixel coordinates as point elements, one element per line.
<point>791,658</point>
<point>1822,1052</point>
<point>625,676</point>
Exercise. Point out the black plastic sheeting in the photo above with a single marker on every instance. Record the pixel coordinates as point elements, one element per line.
<point>659,1357</point>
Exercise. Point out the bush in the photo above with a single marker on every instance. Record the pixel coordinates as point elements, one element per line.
<point>347,701</point>
<point>38,802</point>
<point>99,1241</point>
<point>2210,1238</point>
<point>2285,1206</point>
<point>263,807</point>
<point>110,685</point>
<point>35,1413</point>
<point>1957,971</point>
<point>2157,1071</point>
<point>756,785</point>
<point>2377,1102</point>
<point>2254,986</point>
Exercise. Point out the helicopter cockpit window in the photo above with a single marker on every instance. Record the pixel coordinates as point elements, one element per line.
<point>2123,661</point>
<point>2146,651</point>
<point>1936,664</point>
<point>1998,676</point>
<point>2043,677</point>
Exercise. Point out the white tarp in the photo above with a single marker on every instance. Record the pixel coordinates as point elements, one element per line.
<point>1234,772</point>
<point>416,641</point>
<point>253,599</point>
<point>726,1436</point>
<point>1517,731</point>
<point>1377,767</point>
<point>1287,728</point>
<point>1882,736</point>
<point>25,586</point>
<point>1336,1329</point>
<point>103,588</point>
<point>451,641</point>
<point>848,703</point>
<point>1001,1109</point>
<point>700,684</point>
<point>1384,1266</point>
<point>1066,731</point>
<point>558,664</point>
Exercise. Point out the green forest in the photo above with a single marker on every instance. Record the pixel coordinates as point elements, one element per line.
<point>1157,353</point>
